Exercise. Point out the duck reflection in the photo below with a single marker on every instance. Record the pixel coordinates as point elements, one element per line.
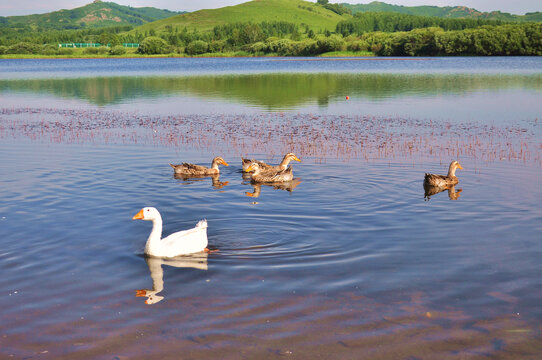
<point>287,185</point>
<point>196,261</point>
<point>453,194</point>
<point>215,179</point>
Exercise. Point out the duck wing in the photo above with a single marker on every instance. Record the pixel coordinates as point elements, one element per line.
<point>263,166</point>
<point>266,167</point>
<point>284,175</point>
<point>275,176</point>
<point>192,169</point>
<point>437,180</point>
<point>185,242</point>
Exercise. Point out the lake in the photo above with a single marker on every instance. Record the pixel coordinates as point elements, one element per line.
<point>351,260</point>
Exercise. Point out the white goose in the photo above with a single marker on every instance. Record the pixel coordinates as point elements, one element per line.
<point>179,243</point>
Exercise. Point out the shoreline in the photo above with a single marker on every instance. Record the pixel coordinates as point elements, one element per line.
<point>182,56</point>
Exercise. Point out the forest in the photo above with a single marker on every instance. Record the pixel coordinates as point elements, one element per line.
<point>381,34</point>
<point>391,22</point>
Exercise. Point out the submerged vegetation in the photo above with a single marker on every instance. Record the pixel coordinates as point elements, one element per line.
<point>318,136</point>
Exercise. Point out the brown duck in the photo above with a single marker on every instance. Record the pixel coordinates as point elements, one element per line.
<point>441,180</point>
<point>270,168</point>
<point>198,170</point>
<point>270,176</point>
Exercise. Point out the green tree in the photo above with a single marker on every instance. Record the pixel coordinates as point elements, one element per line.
<point>153,45</point>
<point>251,33</point>
<point>330,43</point>
<point>295,35</point>
<point>197,47</point>
<point>23,48</point>
<point>281,47</point>
<point>117,50</point>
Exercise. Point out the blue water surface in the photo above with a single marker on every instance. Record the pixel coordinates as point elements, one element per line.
<point>352,257</point>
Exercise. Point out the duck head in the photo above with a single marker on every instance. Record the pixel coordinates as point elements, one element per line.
<point>219,161</point>
<point>453,166</point>
<point>291,156</point>
<point>254,167</point>
<point>147,213</point>
<point>286,160</point>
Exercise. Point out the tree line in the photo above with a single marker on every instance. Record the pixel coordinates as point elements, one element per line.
<point>10,36</point>
<point>366,22</point>
<point>405,36</point>
<point>503,40</point>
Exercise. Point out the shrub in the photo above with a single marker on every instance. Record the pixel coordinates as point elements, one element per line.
<point>331,43</point>
<point>90,50</point>
<point>281,47</point>
<point>117,50</point>
<point>23,48</point>
<point>197,47</point>
<point>359,45</point>
<point>49,50</point>
<point>3,49</point>
<point>307,47</point>
<point>153,45</point>
<point>270,39</point>
<point>258,47</point>
<point>216,46</point>
<point>102,50</point>
<point>65,51</point>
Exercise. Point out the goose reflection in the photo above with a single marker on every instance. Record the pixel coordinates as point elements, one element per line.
<point>215,179</point>
<point>453,194</point>
<point>196,261</point>
<point>288,186</point>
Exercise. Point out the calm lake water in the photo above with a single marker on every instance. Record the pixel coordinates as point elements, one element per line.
<point>350,261</point>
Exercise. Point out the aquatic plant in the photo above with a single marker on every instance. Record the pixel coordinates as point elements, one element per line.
<point>317,136</point>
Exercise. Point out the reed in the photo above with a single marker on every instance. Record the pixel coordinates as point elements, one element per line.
<point>308,135</point>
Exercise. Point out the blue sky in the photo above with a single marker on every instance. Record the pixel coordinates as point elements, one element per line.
<point>24,7</point>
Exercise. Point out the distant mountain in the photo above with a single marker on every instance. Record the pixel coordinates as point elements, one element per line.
<point>443,12</point>
<point>303,13</point>
<point>95,14</point>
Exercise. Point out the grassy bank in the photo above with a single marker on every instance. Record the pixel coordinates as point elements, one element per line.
<point>82,55</point>
<point>347,54</point>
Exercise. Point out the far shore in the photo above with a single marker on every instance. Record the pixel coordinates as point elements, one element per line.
<point>133,55</point>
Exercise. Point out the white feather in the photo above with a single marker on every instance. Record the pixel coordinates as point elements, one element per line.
<point>179,243</point>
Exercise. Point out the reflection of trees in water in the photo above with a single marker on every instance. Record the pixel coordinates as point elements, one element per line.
<point>269,91</point>
<point>323,101</point>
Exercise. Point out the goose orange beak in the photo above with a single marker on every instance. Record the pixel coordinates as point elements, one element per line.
<point>459,166</point>
<point>297,159</point>
<point>225,163</point>
<point>139,215</point>
<point>249,169</point>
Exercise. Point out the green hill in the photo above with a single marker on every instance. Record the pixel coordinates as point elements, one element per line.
<point>95,14</point>
<point>454,12</point>
<point>293,11</point>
